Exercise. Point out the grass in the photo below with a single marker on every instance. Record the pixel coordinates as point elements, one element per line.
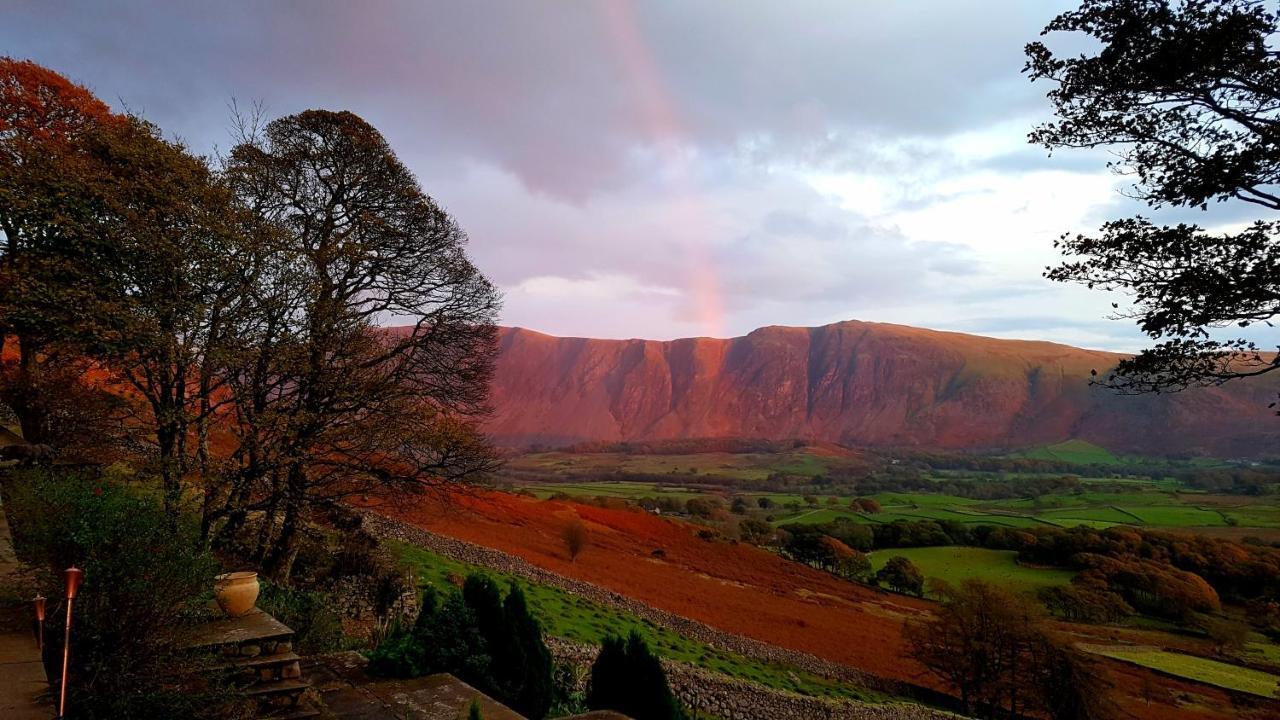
<point>1082,452</point>
<point>956,564</point>
<point>1190,667</point>
<point>622,489</point>
<point>576,618</point>
<point>1079,452</point>
<point>1133,501</point>
<point>743,466</point>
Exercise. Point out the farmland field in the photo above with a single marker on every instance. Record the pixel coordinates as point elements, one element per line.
<point>1113,493</point>
<point>957,564</point>
<point>623,489</point>
<point>1212,672</point>
<point>1149,508</point>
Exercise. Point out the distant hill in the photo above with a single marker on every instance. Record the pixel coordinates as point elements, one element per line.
<point>858,383</point>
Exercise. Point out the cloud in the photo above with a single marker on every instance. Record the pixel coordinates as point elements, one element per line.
<point>664,168</point>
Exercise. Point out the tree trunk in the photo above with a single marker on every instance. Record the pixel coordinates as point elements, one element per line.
<point>33,417</point>
<point>279,562</point>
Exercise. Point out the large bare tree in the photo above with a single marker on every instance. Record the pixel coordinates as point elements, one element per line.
<point>343,403</point>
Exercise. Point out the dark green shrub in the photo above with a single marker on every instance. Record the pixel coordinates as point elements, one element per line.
<point>491,642</point>
<point>144,584</point>
<point>445,638</point>
<point>316,626</point>
<point>628,678</point>
<point>521,662</point>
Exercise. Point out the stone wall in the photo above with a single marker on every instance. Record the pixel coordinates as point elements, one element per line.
<point>355,597</point>
<point>697,685</point>
<point>733,699</point>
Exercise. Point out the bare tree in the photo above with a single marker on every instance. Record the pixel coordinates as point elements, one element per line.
<point>342,404</point>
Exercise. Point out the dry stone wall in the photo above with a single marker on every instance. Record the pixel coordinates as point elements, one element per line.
<point>733,699</point>
<point>736,700</point>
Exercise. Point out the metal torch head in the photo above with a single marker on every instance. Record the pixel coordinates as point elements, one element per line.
<point>72,576</point>
<point>38,602</point>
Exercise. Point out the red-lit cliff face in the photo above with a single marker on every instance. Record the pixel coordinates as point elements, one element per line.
<point>860,384</point>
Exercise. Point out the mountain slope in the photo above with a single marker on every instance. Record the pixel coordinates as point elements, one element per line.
<point>856,383</point>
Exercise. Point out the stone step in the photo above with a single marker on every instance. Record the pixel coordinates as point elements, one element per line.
<point>278,687</point>
<point>262,661</point>
<point>267,668</point>
<point>256,629</point>
<point>301,712</point>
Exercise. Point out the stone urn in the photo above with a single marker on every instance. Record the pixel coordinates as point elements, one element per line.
<point>236,592</point>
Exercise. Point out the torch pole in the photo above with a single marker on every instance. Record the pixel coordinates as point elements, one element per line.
<point>39,603</point>
<point>73,576</point>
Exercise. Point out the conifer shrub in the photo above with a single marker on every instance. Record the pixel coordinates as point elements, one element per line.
<point>628,678</point>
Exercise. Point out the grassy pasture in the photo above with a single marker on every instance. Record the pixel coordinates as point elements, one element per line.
<point>741,466</point>
<point>956,564</point>
<point>627,490</point>
<point>1151,508</point>
<point>1074,451</point>
<point>1082,452</point>
<point>576,618</point>
<point>1190,667</point>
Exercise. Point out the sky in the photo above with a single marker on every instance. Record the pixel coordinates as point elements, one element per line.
<point>666,169</point>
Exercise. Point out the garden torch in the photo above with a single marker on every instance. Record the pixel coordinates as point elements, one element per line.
<point>38,603</point>
<point>72,577</point>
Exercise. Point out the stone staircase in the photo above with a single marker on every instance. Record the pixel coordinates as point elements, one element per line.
<point>258,651</point>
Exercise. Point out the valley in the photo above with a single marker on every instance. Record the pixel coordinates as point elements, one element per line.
<point>668,526</point>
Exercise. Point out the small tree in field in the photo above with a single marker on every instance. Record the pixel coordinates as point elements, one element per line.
<point>575,538</point>
<point>901,575</point>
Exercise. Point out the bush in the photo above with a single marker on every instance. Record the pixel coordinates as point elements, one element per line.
<point>445,638</point>
<point>490,642</point>
<point>628,678</point>
<point>144,584</point>
<point>317,627</point>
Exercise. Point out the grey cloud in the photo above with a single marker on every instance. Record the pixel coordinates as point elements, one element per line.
<point>558,93</point>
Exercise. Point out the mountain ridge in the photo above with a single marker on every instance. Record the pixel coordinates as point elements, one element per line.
<point>856,383</point>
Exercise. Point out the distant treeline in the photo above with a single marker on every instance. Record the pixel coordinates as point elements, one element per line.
<point>1146,567</point>
<point>685,446</point>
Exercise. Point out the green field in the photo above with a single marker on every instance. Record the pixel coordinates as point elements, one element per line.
<point>625,490</point>
<point>1075,451</point>
<point>1145,505</point>
<point>957,564</point>
<point>741,466</point>
<point>1211,672</point>
<point>1081,452</point>
<point>576,618</point>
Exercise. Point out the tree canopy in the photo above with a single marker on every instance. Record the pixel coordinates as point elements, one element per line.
<point>1187,97</point>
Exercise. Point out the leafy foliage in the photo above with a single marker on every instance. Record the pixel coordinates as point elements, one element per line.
<point>901,575</point>
<point>143,585</point>
<point>1188,98</point>
<point>992,647</point>
<point>317,627</point>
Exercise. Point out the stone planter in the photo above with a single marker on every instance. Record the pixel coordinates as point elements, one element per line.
<point>236,592</point>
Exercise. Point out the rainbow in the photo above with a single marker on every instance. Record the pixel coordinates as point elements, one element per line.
<point>669,137</point>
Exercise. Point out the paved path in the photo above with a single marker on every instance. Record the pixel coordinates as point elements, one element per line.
<point>24,691</point>
<point>350,694</point>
